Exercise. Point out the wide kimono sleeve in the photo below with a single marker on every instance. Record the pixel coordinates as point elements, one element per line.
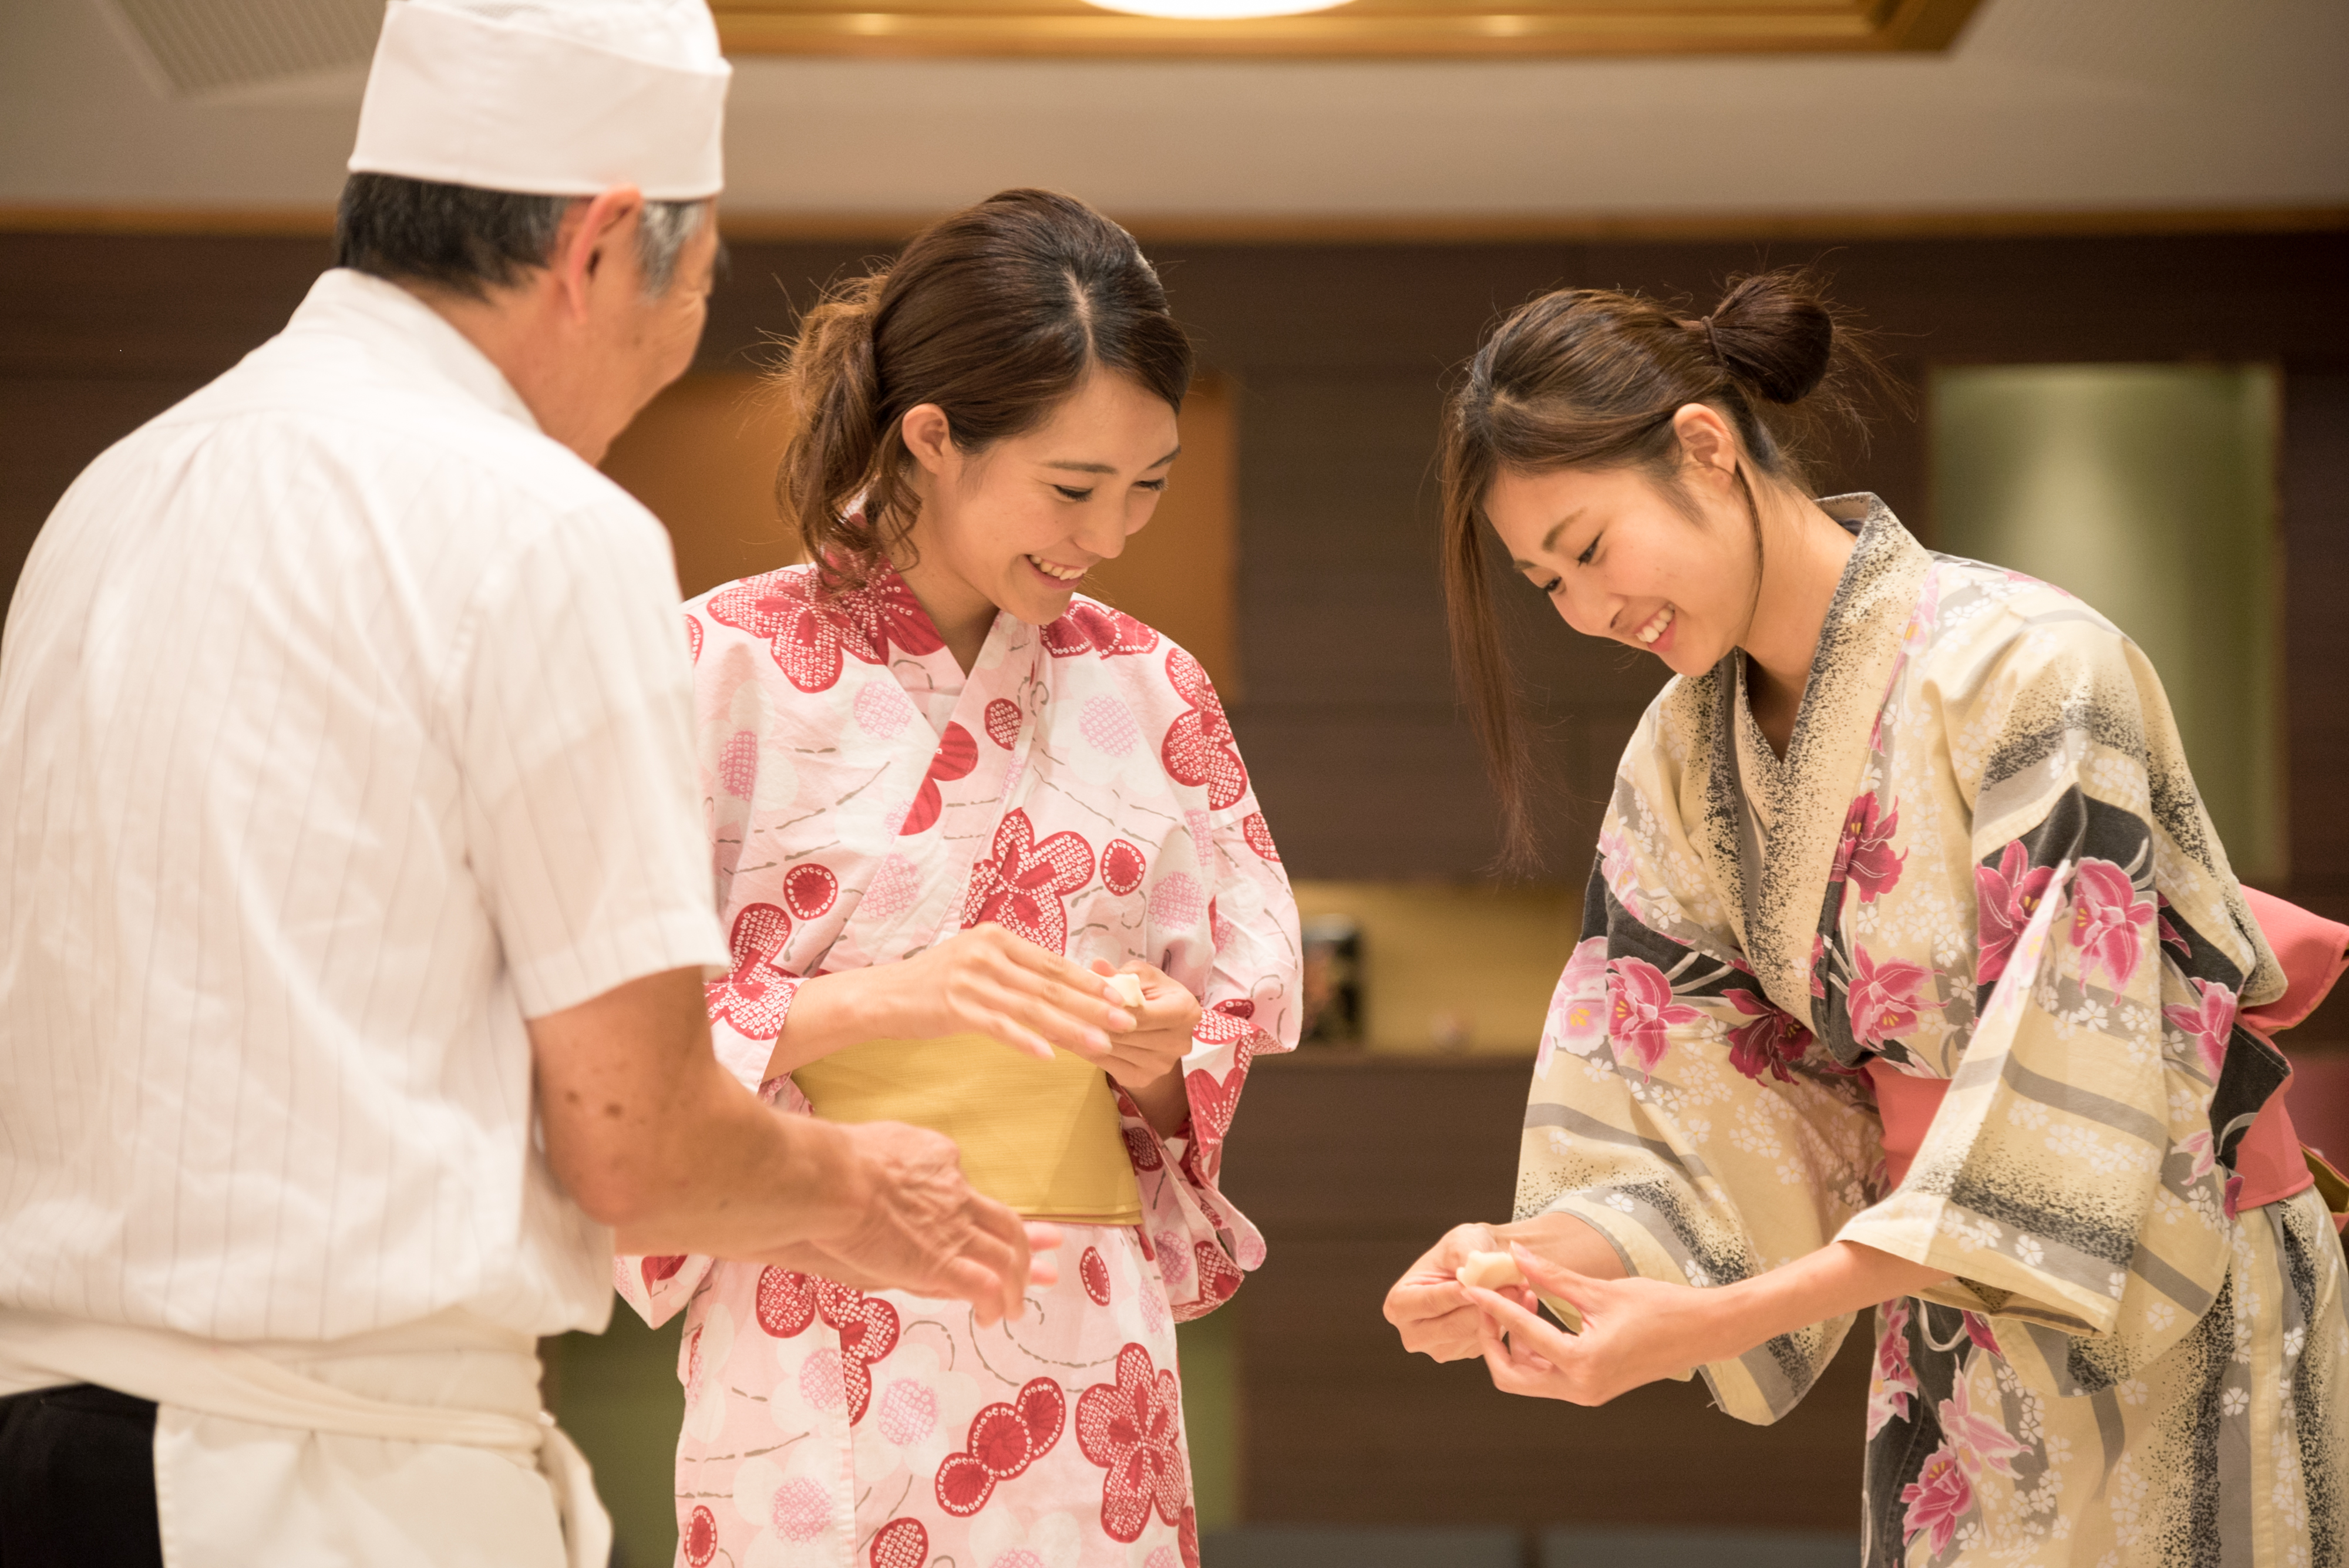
<point>749,1002</point>
<point>1674,1108</point>
<point>1247,976</point>
<point>2074,1178</point>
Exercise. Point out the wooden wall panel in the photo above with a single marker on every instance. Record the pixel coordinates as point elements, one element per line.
<point>2312,486</point>
<point>1336,352</point>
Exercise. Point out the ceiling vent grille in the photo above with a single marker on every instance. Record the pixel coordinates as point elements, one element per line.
<point>204,47</point>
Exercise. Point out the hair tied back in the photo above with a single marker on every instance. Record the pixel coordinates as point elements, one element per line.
<point>1775,333</point>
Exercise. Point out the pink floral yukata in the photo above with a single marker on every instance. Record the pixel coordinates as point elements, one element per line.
<point>1081,788</point>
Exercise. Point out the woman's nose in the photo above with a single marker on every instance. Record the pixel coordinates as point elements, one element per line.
<point>1588,612</point>
<point>1102,531</point>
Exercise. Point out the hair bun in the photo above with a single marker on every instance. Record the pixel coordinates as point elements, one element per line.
<point>1774,332</point>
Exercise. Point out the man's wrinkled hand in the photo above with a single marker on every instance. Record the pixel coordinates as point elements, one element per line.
<point>915,1224</point>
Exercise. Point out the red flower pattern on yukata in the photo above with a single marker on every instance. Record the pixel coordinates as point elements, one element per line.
<point>2004,897</point>
<point>692,639</point>
<point>1865,856</point>
<point>1938,1499</point>
<point>900,1543</point>
<point>700,1544</point>
<point>1884,997</point>
<point>789,1301</point>
<point>1097,629</point>
<point>1219,1277</point>
<point>810,890</point>
<point>1259,836</point>
<point>756,994</point>
<point>1002,721</point>
<point>1641,1010</point>
<point>2108,920</point>
<point>1024,886</point>
<point>1894,1381</point>
<point>1123,867</point>
<point>1767,1044</point>
<point>1198,748</point>
<point>1094,1274</point>
<point>1004,1440</point>
<point>807,631</point>
<point>2208,1023</point>
<point>1133,1430</point>
<point>957,754</point>
<point>652,1271</point>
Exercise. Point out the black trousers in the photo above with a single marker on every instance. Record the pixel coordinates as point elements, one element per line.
<point>78,1481</point>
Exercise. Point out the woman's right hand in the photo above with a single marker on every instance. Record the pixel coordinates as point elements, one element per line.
<point>1429,1307</point>
<point>983,980</point>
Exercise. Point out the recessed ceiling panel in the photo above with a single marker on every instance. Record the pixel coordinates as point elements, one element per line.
<point>1388,28</point>
<point>204,47</point>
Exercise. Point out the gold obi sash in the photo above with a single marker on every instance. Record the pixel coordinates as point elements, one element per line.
<point>1039,1136</point>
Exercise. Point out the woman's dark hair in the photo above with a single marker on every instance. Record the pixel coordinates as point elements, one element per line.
<point>1590,379</point>
<point>995,314</point>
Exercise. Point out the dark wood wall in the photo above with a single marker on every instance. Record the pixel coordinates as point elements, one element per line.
<point>1360,753</point>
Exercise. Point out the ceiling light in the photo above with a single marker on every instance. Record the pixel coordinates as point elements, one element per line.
<point>1214,10</point>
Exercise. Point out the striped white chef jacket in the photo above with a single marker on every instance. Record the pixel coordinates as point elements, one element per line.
<point>344,725</point>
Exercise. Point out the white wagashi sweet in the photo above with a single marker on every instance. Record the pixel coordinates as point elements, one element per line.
<point>1489,1271</point>
<point>1128,987</point>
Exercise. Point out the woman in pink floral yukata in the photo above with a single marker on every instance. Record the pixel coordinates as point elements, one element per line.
<point>948,795</point>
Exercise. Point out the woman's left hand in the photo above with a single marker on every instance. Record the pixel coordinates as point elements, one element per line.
<point>1634,1330</point>
<point>1146,1061</point>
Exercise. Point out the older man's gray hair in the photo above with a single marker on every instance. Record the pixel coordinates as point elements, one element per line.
<point>469,240</point>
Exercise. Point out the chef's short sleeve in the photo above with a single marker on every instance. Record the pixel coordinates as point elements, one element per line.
<point>574,724</point>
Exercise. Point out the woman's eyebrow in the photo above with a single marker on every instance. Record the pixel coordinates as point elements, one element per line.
<point>1072,466</point>
<point>1549,540</point>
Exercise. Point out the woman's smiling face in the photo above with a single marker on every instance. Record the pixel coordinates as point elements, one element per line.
<point>1019,524</point>
<point>1621,559</point>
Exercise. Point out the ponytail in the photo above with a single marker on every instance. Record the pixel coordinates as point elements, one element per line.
<point>834,454</point>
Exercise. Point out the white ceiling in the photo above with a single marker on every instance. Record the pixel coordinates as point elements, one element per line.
<point>2042,104</point>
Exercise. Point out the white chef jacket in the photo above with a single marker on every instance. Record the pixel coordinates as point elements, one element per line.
<point>345,725</point>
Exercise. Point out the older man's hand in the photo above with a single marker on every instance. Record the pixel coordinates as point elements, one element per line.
<point>911,1221</point>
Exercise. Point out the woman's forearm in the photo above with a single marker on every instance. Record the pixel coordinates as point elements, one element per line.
<point>1566,1240</point>
<point>832,1011</point>
<point>1841,1277</point>
<point>1165,1103</point>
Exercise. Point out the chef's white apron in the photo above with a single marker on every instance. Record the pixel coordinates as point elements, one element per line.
<point>418,1447</point>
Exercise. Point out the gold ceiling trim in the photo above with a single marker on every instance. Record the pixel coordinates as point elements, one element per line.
<point>1362,28</point>
<point>768,227</point>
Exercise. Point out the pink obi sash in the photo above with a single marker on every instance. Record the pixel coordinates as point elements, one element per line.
<point>2269,1163</point>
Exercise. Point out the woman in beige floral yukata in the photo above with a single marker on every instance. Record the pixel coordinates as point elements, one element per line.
<point>1912,976</point>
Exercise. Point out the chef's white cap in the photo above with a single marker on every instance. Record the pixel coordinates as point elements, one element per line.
<point>552,97</point>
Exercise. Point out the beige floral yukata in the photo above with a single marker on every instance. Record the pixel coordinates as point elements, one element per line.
<point>2125,1370</point>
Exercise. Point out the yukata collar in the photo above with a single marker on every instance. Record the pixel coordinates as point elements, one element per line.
<point>1808,795</point>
